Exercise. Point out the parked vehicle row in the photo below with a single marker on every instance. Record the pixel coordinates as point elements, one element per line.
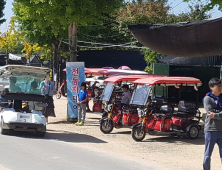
<point>150,110</point>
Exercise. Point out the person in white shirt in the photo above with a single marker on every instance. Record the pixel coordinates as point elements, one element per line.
<point>126,96</point>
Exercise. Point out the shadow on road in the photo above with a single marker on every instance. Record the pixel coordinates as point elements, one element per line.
<point>62,122</point>
<point>67,122</point>
<point>94,118</point>
<point>171,139</point>
<point>61,136</point>
<point>121,133</point>
<point>72,137</point>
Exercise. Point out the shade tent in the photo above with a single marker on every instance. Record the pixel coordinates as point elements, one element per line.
<point>191,39</point>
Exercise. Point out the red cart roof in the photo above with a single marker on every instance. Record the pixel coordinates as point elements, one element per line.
<point>168,80</point>
<point>130,78</point>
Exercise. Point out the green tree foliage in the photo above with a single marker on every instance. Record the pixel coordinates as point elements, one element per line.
<point>2,7</point>
<point>57,14</point>
<point>197,12</point>
<point>149,12</point>
<point>144,12</point>
<point>115,27</point>
<point>211,4</point>
<point>10,39</point>
<point>32,30</point>
<point>45,39</point>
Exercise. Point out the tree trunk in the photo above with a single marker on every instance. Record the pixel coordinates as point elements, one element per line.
<point>73,42</point>
<point>7,57</point>
<point>56,60</point>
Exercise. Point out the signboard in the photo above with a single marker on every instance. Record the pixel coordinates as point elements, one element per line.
<point>75,73</point>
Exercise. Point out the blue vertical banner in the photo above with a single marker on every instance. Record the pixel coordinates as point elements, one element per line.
<point>75,75</point>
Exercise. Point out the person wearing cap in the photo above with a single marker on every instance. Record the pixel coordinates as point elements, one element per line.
<point>126,96</point>
<point>82,99</point>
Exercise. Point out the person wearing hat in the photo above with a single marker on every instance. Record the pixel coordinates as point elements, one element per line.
<point>126,96</point>
<point>82,99</point>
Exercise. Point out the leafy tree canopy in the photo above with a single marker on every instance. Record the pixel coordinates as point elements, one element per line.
<point>211,4</point>
<point>57,13</point>
<point>12,38</point>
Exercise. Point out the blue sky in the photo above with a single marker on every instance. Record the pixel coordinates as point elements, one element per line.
<point>177,5</point>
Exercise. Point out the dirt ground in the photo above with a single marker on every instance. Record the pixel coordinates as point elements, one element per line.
<point>159,152</point>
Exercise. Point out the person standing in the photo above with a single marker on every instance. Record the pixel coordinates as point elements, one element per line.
<point>213,122</point>
<point>82,99</point>
<point>48,88</point>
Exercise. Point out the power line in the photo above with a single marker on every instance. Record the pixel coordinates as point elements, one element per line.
<point>84,35</point>
<point>177,5</point>
<point>109,45</point>
<point>112,46</point>
<point>106,44</point>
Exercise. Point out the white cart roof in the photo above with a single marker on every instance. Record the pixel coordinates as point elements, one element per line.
<point>24,71</point>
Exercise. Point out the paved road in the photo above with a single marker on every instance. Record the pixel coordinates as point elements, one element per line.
<point>22,152</point>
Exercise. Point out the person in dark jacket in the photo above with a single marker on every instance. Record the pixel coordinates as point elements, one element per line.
<point>213,122</point>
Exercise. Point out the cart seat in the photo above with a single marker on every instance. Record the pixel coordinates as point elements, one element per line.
<point>183,115</point>
<point>186,109</point>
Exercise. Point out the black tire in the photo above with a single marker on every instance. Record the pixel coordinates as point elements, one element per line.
<point>2,130</point>
<point>105,115</point>
<point>106,126</point>
<point>58,95</point>
<point>193,132</point>
<point>41,133</point>
<point>138,133</point>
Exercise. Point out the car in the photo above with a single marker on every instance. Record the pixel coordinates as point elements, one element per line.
<point>24,96</point>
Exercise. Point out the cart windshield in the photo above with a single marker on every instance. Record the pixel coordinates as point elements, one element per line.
<point>140,95</point>
<point>107,91</point>
<point>25,84</point>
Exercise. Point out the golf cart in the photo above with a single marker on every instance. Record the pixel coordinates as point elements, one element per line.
<point>25,99</point>
<point>159,116</point>
<point>111,98</point>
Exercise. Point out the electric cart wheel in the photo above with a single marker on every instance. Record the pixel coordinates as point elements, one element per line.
<point>2,130</point>
<point>106,126</point>
<point>138,133</point>
<point>193,132</point>
<point>58,95</point>
<point>41,133</point>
